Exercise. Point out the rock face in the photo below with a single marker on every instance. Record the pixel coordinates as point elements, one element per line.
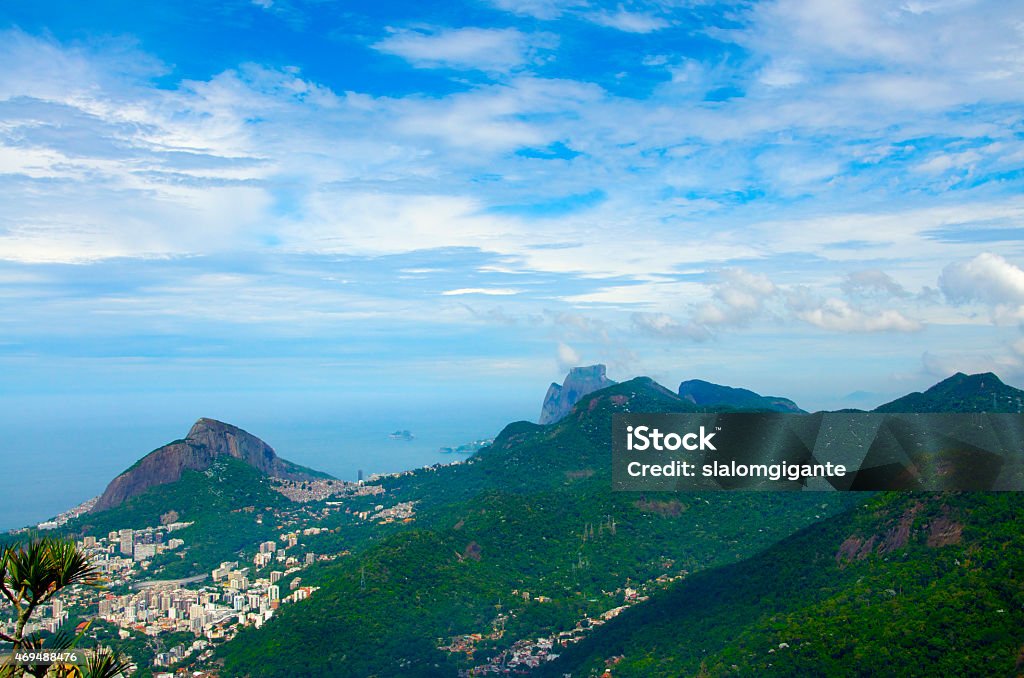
<point>207,440</point>
<point>580,381</point>
<point>705,394</point>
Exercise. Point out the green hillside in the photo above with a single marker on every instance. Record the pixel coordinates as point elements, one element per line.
<point>706,394</point>
<point>223,502</point>
<point>961,393</point>
<point>526,540</point>
<point>533,514</point>
<point>909,584</point>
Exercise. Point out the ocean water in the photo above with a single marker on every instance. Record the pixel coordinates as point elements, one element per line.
<point>55,455</point>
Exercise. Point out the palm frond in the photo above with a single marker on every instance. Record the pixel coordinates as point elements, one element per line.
<point>68,564</point>
<point>105,664</point>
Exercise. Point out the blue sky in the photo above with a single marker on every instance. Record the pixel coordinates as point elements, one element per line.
<point>326,200</point>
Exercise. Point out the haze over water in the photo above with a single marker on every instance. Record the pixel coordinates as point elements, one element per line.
<point>54,463</point>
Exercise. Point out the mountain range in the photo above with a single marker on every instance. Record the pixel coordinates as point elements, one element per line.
<point>525,541</point>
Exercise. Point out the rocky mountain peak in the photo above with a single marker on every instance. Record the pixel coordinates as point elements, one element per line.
<point>206,440</point>
<point>580,381</point>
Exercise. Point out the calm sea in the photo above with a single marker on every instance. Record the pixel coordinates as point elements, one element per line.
<point>51,463</point>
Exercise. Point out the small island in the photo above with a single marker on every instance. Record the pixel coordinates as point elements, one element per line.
<point>468,448</point>
<point>404,434</point>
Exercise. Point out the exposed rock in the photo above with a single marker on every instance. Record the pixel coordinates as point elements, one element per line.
<point>207,440</point>
<point>580,381</point>
<point>472,551</point>
<point>944,531</point>
<point>899,535</point>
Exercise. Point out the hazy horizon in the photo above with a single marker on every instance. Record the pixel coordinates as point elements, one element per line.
<point>92,439</point>
<point>275,203</point>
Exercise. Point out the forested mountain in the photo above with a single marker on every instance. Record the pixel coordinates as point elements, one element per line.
<point>908,584</point>
<point>527,538</point>
<point>706,394</point>
<point>523,550</point>
<point>961,393</point>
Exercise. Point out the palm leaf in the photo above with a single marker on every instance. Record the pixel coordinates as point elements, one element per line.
<point>106,665</point>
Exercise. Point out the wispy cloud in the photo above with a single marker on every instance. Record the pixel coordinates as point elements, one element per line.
<point>487,291</point>
<point>483,49</point>
<point>540,9</point>
<point>793,170</point>
<point>630,22</point>
<point>871,282</point>
<point>664,326</point>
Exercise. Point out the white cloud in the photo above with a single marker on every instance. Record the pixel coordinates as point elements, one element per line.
<point>793,171</point>
<point>525,111</point>
<point>738,297</point>
<point>567,356</point>
<point>629,22</point>
<point>838,315</point>
<point>96,161</point>
<point>484,49</point>
<point>943,162</point>
<point>539,9</point>
<point>918,56</point>
<point>620,18</point>
<point>988,278</point>
<point>848,27</point>
<point>487,291</point>
<point>782,74</point>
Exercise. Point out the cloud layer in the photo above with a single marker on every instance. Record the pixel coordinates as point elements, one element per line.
<point>674,179</point>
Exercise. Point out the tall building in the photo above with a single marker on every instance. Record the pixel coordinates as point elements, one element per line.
<point>224,570</point>
<point>127,538</point>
